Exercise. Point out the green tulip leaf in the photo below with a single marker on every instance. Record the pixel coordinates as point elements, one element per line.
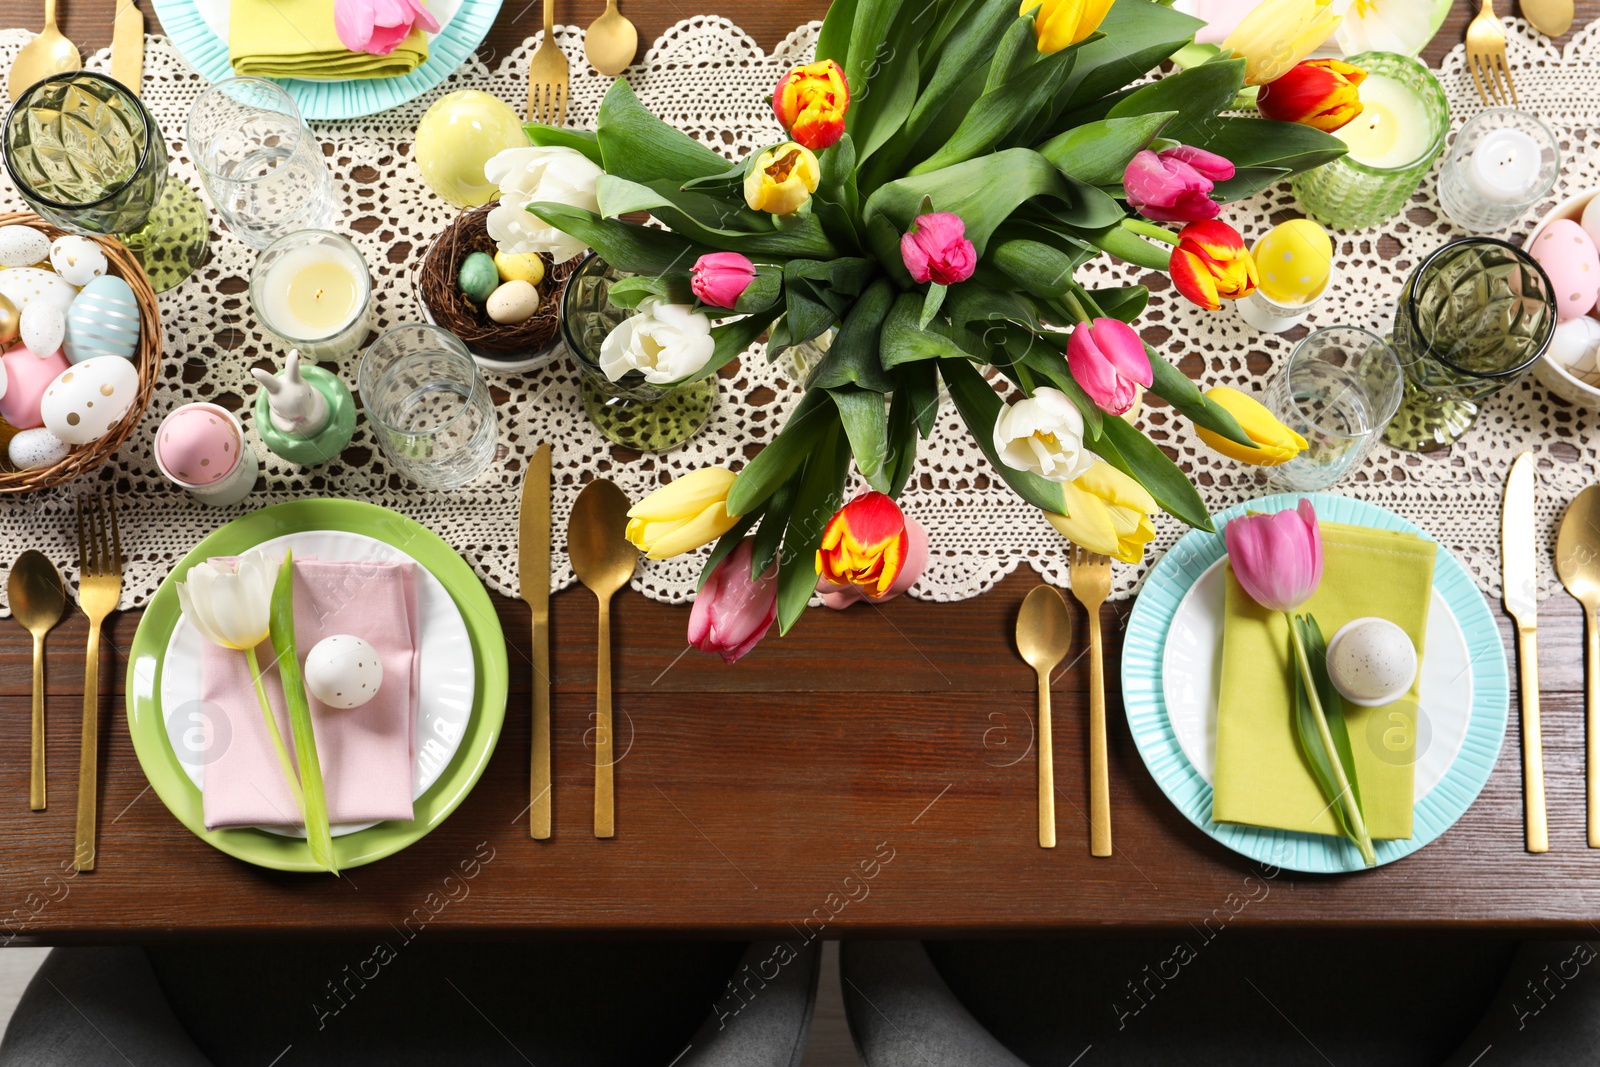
<point>1141,459</point>
<point>902,432</point>
<point>864,416</point>
<point>1098,153</point>
<point>820,493</point>
<point>1179,390</point>
<point>319,835</point>
<point>585,141</point>
<point>672,288</point>
<point>852,359</point>
<point>774,521</point>
<point>782,456</point>
<point>1196,94</point>
<point>714,222</point>
<point>637,146</point>
<point>627,246</point>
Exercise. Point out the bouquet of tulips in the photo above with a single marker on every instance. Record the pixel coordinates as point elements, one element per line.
<point>950,165</point>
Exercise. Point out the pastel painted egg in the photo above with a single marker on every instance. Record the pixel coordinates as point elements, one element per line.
<point>197,446</point>
<point>1295,260</point>
<point>1569,257</point>
<point>459,134</point>
<point>512,303</point>
<point>25,285</point>
<point>42,327</point>
<point>478,277</point>
<point>88,398</point>
<point>1575,344</point>
<point>1372,661</point>
<point>343,671</point>
<point>22,246</point>
<point>77,259</point>
<point>1591,221</point>
<point>103,321</point>
<point>26,379</point>
<point>32,449</point>
<point>520,267</point>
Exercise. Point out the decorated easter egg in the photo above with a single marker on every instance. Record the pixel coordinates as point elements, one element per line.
<point>1569,257</point>
<point>478,278</point>
<point>1294,260</point>
<point>32,449</point>
<point>512,303</point>
<point>88,398</point>
<point>42,327</point>
<point>343,671</point>
<point>77,259</point>
<point>1575,345</point>
<point>197,445</point>
<point>26,285</point>
<point>10,322</point>
<point>1372,661</point>
<point>22,246</point>
<point>103,321</point>
<point>1591,221</point>
<point>519,267</point>
<point>459,134</point>
<point>26,379</point>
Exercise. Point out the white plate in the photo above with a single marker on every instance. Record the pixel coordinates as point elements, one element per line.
<point>1191,671</point>
<point>445,675</point>
<point>215,14</point>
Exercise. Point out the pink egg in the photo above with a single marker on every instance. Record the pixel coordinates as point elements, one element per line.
<point>27,377</point>
<point>197,444</point>
<point>1569,257</point>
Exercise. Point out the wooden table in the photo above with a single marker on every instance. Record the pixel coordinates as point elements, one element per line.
<point>870,774</point>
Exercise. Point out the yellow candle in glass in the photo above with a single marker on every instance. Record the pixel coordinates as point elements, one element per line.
<point>1392,130</point>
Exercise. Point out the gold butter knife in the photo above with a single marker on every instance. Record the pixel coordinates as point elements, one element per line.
<point>127,46</point>
<point>533,571</point>
<point>1518,561</point>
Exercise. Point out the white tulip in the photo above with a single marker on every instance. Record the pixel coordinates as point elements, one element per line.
<point>663,342</point>
<point>1043,434</point>
<point>532,175</point>
<point>1402,26</point>
<point>231,608</point>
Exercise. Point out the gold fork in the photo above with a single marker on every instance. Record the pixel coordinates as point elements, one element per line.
<point>1486,55</point>
<point>548,75</point>
<point>99,590</point>
<point>1091,584</point>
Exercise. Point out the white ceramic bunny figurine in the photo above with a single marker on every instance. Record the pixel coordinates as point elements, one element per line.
<point>297,408</point>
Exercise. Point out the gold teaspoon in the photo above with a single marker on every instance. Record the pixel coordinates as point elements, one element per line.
<point>1044,634</point>
<point>47,54</point>
<point>37,600</point>
<point>610,42</point>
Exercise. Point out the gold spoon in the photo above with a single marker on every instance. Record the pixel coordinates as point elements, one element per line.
<point>47,54</point>
<point>610,42</point>
<point>603,560</point>
<point>1550,17</point>
<point>1578,564</point>
<point>1044,633</point>
<point>37,600</point>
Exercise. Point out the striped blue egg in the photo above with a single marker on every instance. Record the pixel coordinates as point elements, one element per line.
<point>103,321</point>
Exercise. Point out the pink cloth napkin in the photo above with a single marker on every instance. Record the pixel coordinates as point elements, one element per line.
<point>367,752</point>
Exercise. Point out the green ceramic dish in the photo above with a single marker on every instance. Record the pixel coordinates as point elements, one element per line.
<point>147,726</point>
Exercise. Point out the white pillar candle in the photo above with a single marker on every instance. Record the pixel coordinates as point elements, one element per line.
<point>1504,168</point>
<point>312,289</point>
<point>1392,130</point>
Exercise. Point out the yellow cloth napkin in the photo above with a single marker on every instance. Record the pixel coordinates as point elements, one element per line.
<point>1262,778</point>
<point>296,39</point>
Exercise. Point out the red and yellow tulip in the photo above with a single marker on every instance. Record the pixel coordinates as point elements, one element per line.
<point>864,545</point>
<point>1211,264</point>
<point>1321,93</point>
<point>811,102</point>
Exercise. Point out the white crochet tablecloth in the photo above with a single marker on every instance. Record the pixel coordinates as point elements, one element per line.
<point>708,77</point>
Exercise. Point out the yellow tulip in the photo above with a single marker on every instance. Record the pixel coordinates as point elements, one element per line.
<point>1107,512</point>
<point>1063,23</point>
<point>683,515</point>
<point>783,179</point>
<point>1275,442</point>
<point>1278,34</point>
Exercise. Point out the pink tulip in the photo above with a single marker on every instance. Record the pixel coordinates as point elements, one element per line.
<point>915,562</point>
<point>731,612</point>
<point>1108,360</point>
<point>936,249</point>
<point>719,279</point>
<point>378,26</point>
<point>1175,184</point>
<point>1277,558</point>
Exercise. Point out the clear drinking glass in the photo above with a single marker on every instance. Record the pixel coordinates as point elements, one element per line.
<point>1339,390</point>
<point>1502,163</point>
<point>259,161</point>
<point>428,405</point>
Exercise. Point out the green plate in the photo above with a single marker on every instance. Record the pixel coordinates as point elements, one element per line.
<point>147,726</point>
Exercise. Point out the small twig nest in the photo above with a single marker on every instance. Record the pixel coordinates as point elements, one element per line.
<point>452,310</point>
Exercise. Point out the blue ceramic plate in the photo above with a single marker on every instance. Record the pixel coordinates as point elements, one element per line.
<point>1143,695</point>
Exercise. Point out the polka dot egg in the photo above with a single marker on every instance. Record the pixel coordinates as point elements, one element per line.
<point>86,400</point>
<point>1569,257</point>
<point>1372,661</point>
<point>77,259</point>
<point>1295,260</point>
<point>343,671</point>
<point>196,445</point>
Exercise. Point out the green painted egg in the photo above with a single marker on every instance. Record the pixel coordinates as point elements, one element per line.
<point>478,277</point>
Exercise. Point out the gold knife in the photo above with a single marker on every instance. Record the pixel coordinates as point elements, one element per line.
<point>127,46</point>
<point>1518,561</point>
<point>533,570</point>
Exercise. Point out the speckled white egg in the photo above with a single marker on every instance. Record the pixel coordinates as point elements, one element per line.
<point>32,449</point>
<point>103,321</point>
<point>1575,343</point>
<point>343,671</point>
<point>1372,661</point>
<point>77,259</point>
<point>26,285</point>
<point>42,326</point>
<point>22,246</point>
<point>513,302</point>
<point>88,398</point>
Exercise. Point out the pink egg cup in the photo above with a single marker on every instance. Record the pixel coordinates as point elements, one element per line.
<point>1580,387</point>
<point>235,481</point>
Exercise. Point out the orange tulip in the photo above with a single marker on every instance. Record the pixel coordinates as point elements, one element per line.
<point>1211,264</point>
<point>1321,93</point>
<point>811,102</point>
<point>864,545</point>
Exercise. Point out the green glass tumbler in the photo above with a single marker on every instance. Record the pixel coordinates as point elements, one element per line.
<point>1348,194</point>
<point>1473,318</point>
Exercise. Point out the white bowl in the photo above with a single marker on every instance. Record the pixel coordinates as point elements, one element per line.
<point>1583,388</point>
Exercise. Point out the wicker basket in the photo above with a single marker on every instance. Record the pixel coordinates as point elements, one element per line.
<point>85,458</point>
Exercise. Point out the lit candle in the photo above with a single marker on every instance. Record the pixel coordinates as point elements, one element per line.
<point>1505,167</point>
<point>1393,129</point>
<point>312,289</point>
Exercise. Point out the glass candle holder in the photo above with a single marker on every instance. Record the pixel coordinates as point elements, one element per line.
<point>1339,390</point>
<point>428,406</point>
<point>312,290</point>
<point>630,412</point>
<point>1473,318</point>
<point>1502,163</point>
<point>1392,143</point>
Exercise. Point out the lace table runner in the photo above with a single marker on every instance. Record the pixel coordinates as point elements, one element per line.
<point>711,79</point>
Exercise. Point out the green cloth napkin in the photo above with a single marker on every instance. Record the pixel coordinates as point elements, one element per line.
<point>1262,778</point>
<point>296,39</point>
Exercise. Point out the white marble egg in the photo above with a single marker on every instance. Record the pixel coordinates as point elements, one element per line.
<point>1575,345</point>
<point>88,398</point>
<point>42,327</point>
<point>1372,661</point>
<point>32,449</point>
<point>103,321</point>
<point>26,285</point>
<point>513,302</point>
<point>22,246</point>
<point>77,259</point>
<point>343,671</point>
